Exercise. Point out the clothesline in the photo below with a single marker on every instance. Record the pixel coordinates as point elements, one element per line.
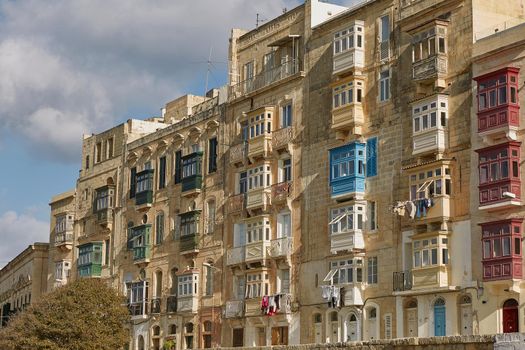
<point>413,209</point>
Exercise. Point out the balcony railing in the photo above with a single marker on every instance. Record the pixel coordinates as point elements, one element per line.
<point>402,281</point>
<point>138,308</point>
<point>155,305</point>
<point>104,216</point>
<point>281,191</point>
<point>235,256</point>
<point>348,240</point>
<point>430,68</point>
<point>236,203</point>
<point>266,78</point>
<point>144,198</point>
<point>189,242</point>
<point>63,238</point>
<point>256,251</point>
<point>282,137</point>
<point>259,198</point>
<point>234,308</point>
<point>238,153</point>
<point>281,247</point>
<point>171,303</point>
<point>141,253</point>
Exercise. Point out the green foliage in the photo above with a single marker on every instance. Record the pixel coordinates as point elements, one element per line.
<point>84,315</point>
<point>169,345</point>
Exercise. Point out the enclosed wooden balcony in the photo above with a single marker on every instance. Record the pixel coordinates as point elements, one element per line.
<point>430,68</point>
<point>141,254</point>
<point>440,209</point>
<point>430,141</point>
<point>353,294</point>
<point>189,244</point>
<point>347,241</point>
<point>259,198</point>
<point>64,240</point>
<point>257,251</point>
<point>350,117</point>
<point>431,277</point>
<point>348,45</point>
<point>349,60</point>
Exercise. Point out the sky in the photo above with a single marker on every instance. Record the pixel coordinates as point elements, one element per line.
<point>69,68</point>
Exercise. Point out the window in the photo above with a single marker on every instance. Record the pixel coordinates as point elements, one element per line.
<point>284,281</point>
<point>384,38</point>
<point>259,177</point>
<point>257,285</point>
<point>497,90</point>
<point>87,162</point>
<point>260,124</point>
<point>284,225</point>
<point>348,93</point>
<point>145,181</point>
<point>212,160</point>
<point>427,252</point>
<point>285,170</point>
<point>497,164</point>
<point>109,148</point>
<point>191,165</point>
<point>372,215</point>
<point>348,39</point>
<point>348,161</point>
<point>258,230</point>
<point>209,280</point>
<point>345,271</point>
<point>132,182</point>
<point>430,183</point>
<point>62,269</point>
<point>431,114</point>
<point>372,270</point>
<point>189,224</point>
<point>428,43</point>
<point>210,219</point>
<point>107,252</point>
<point>286,115</point>
<point>348,218</point>
<point>371,157</point>
<point>188,285</point>
<point>178,167</point>
<point>159,228</point>
<point>60,225</point>
<point>103,198</point>
<point>501,239</point>
<point>137,293</point>
<point>384,85</point>
<point>162,172</point>
<point>98,152</point>
<point>243,182</point>
<point>249,70</point>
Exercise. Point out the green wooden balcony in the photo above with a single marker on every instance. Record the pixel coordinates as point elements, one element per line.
<point>189,243</point>
<point>193,182</point>
<point>141,254</point>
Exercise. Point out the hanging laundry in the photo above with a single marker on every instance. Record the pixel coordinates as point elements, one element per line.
<point>264,305</point>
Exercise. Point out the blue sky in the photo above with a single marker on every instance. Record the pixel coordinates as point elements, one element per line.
<point>74,67</point>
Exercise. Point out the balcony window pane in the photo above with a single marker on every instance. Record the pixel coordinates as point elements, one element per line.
<point>417,259</point>
<point>517,246</point>
<point>502,94</point>
<point>443,119</point>
<point>513,94</point>
<point>441,45</point>
<point>483,174</point>
<point>492,98</point>
<point>504,169</point>
<point>424,45</point>
<point>433,119</point>
<point>432,46</point>
<point>506,246</point>
<point>359,274</point>
<point>360,41</point>
<point>515,169</point>
<point>416,125</point>
<point>434,256</point>
<point>359,95</point>
<point>494,172</point>
<point>438,186</point>
<point>444,256</point>
<point>425,258</point>
<point>486,249</point>
<point>482,101</point>
<point>497,247</point>
<point>425,122</point>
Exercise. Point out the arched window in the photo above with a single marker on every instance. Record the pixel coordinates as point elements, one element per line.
<point>172,329</point>
<point>439,302</point>
<point>159,228</point>
<point>141,343</point>
<point>207,326</point>
<point>158,284</point>
<point>208,268</point>
<point>188,327</point>
<point>156,331</point>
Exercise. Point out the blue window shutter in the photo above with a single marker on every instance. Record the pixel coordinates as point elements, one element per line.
<point>371,157</point>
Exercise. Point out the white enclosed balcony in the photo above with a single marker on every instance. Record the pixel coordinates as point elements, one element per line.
<point>429,123</point>
<point>281,247</point>
<point>353,294</point>
<point>349,53</point>
<point>188,303</point>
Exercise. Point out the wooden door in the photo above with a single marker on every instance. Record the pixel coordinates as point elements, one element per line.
<point>238,337</point>
<point>510,316</point>
<point>411,315</point>
<point>466,319</point>
<point>318,329</point>
<point>352,329</point>
<point>334,332</point>
<point>439,321</point>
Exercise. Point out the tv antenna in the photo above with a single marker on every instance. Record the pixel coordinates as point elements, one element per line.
<point>259,20</point>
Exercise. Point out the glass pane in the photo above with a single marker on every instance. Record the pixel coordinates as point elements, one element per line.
<point>434,256</point>
<point>506,246</point>
<point>502,94</point>
<point>497,247</point>
<point>486,249</point>
<point>517,246</point>
<point>425,258</point>
<point>494,172</point>
<point>504,169</point>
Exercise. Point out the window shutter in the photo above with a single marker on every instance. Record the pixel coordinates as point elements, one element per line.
<point>132,182</point>
<point>178,167</point>
<point>371,157</point>
<point>388,326</point>
<point>162,172</point>
<point>212,157</point>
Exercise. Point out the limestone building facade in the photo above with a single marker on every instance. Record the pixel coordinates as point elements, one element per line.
<point>356,179</point>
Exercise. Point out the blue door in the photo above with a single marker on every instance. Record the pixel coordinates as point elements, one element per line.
<point>439,321</point>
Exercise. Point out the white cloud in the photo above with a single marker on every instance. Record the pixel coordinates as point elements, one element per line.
<point>68,67</point>
<point>19,231</point>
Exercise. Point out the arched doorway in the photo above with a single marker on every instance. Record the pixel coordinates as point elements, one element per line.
<point>510,316</point>
<point>440,320</point>
<point>465,312</point>
<point>371,323</point>
<point>351,327</point>
<point>140,345</point>
<point>411,323</point>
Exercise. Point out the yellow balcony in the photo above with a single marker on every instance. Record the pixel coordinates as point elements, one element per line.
<point>259,146</point>
<point>430,141</point>
<point>349,117</point>
<point>353,294</point>
<point>259,198</point>
<point>238,153</point>
<point>347,241</point>
<point>439,211</point>
<point>253,307</point>
<point>282,138</point>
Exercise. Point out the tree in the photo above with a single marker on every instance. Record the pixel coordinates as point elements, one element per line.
<point>84,315</point>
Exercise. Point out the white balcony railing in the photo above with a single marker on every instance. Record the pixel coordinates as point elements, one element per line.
<point>281,247</point>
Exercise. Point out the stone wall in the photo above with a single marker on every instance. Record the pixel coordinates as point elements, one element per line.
<point>513,341</point>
